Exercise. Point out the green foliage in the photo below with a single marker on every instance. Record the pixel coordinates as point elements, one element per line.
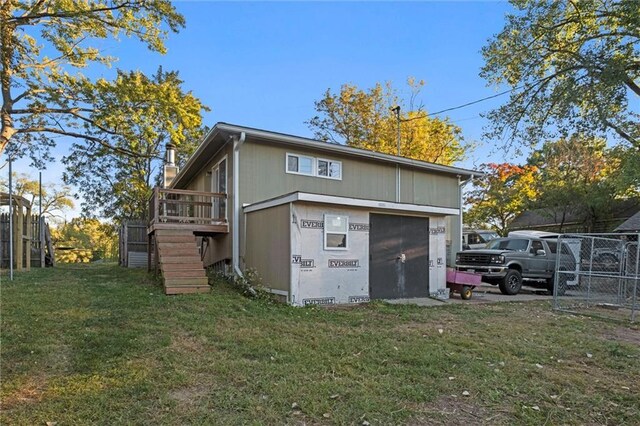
<point>577,177</point>
<point>45,44</point>
<point>158,111</point>
<point>249,285</point>
<point>573,67</point>
<point>56,199</point>
<point>89,239</point>
<point>363,119</point>
<point>625,175</point>
<point>502,194</point>
<point>574,179</point>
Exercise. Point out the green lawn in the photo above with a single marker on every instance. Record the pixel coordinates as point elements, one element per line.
<point>102,344</point>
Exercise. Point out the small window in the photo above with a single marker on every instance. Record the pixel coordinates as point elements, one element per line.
<point>335,232</point>
<point>300,164</point>
<point>330,169</point>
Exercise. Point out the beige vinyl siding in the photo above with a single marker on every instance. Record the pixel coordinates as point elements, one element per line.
<point>268,245</point>
<point>418,187</point>
<point>263,176</point>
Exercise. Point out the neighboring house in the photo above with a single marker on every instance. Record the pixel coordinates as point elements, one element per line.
<point>321,223</point>
<point>567,220</point>
<point>630,225</point>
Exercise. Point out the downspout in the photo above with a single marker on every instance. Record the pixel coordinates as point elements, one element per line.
<point>235,236</point>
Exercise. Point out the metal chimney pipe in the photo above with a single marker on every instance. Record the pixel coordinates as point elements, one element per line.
<point>170,159</point>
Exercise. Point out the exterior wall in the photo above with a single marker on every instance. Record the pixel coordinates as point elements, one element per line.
<point>263,173</point>
<point>220,246</point>
<point>418,187</point>
<point>320,276</point>
<point>268,246</point>
<point>315,276</point>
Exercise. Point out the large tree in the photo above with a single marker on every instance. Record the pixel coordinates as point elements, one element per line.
<point>90,239</point>
<point>364,119</point>
<point>574,67</point>
<point>43,46</point>
<point>574,179</point>
<point>56,199</point>
<point>158,111</point>
<point>503,193</point>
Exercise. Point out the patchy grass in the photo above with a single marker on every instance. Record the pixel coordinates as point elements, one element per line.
<point>101,344</point>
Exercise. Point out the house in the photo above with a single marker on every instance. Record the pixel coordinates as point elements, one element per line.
<point>321,223</point>
<point>630,225</point>
<point>573,220</point>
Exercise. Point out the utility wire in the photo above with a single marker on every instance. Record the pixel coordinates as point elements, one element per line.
<point>460,106</point>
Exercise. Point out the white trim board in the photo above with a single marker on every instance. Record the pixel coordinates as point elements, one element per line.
<point>351,202</point>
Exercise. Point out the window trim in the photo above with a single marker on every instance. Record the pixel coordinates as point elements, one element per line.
<point>329,168</point>
<point>286,164</point>
<point>345,233</point>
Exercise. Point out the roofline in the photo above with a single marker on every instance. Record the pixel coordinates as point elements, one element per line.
<point>349,202</point>
<point>284,138</point>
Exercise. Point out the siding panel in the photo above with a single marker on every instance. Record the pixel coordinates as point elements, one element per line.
<point>263,176</point>
<point>268,246</point>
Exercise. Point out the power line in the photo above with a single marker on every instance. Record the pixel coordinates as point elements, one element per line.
<point>460,106</point>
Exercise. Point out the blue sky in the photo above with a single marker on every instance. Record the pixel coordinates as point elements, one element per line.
<point>264,64</point>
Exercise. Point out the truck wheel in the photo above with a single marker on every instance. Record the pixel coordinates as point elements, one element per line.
<point>511,283</point>
<point>467,292</point>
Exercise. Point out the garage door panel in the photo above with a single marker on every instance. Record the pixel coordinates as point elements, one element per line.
<point>399,256</point>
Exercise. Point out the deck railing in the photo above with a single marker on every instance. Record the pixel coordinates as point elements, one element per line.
<point>183,206</point>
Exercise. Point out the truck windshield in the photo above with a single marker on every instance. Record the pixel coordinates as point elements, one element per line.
<point>509,244</point>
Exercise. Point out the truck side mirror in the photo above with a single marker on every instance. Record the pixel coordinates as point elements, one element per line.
<point>541,253</point>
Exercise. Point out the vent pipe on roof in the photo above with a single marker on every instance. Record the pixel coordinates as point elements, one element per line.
<point>169,170</point>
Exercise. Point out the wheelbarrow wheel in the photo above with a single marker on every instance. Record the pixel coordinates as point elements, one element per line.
<point>466,292</point>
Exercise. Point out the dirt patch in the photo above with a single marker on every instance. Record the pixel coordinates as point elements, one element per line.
<point>186,343</point>
<point>626,335</point>
<point>450,410</point>
<point>28,392</point>
<point>189,395</point>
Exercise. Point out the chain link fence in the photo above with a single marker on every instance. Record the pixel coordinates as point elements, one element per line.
<point>601,277</point>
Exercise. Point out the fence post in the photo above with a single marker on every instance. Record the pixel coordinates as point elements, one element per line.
<point>634,306</point>
<point>42,243</point>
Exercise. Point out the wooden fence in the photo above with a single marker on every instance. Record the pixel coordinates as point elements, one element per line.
<point>133,244</point>
<point>41,251</point>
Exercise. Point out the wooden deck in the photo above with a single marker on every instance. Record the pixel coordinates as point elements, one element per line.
<point>177,217</point>
<point>202,212</point>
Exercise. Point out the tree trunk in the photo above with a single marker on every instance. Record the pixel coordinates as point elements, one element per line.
<point>6,58</point>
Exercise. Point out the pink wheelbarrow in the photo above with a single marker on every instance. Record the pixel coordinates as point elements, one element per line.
<point>463,282</point>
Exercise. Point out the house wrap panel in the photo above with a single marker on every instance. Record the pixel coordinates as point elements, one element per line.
<point>437,255</point>
<point>320,276</point>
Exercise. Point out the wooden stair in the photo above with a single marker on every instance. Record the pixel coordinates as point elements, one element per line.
<point>180,264</point>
